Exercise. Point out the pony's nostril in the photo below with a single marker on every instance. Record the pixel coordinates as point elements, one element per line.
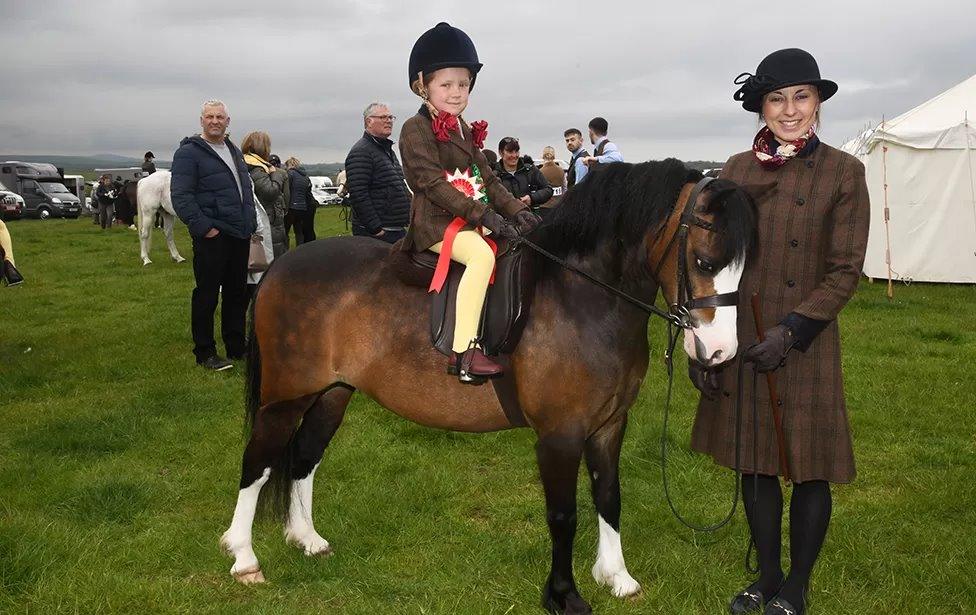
<point>717,356</point>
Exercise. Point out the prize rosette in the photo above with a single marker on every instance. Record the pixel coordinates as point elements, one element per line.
<point>467,184</point>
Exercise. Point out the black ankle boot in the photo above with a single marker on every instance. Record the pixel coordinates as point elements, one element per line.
<point>10,274</point>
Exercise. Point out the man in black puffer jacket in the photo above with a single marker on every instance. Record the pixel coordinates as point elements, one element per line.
<point>212,194</point>
<point>374,177</point>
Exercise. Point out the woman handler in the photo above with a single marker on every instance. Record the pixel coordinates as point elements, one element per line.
<point>455,193</point>
<point>813,229</point>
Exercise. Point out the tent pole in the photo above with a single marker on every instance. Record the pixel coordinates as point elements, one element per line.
<point>969,159</point>
<point>887,213</point>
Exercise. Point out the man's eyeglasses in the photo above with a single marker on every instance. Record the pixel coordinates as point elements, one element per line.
<point>385,118</point>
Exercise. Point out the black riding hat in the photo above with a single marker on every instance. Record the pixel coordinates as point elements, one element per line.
<point>781,69</point>
<point>149,155</point>
<point>443,46</point>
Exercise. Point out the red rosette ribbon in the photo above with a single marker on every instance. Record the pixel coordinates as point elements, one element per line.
<point>479,132</point>
<point>443,124</point>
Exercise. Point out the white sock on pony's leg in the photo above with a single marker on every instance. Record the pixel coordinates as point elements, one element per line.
<point>168,221</point>
<point>237,539</point>
<point>299,529</point>
<point>609,568</point>
<point>145,238</point>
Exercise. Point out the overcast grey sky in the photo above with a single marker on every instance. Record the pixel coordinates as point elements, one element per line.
<point>121,77</point>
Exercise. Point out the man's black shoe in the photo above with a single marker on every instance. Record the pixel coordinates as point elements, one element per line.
<point>216,364</point>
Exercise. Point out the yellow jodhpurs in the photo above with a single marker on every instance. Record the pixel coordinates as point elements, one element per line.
<point>8,248</point>
<point>471,251</point>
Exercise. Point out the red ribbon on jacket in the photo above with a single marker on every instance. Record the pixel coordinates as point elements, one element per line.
<point>444,260</point>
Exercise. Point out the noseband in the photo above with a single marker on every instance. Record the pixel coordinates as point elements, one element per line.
<point>685,301</point>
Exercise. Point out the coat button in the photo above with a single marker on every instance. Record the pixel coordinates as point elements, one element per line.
<point>790,283</point>
<point>800,201</point>
<point>809,164</point>
<point>794,243</point>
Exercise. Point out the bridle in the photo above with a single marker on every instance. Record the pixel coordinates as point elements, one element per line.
<point>678,314</point>
<point>685,300</point>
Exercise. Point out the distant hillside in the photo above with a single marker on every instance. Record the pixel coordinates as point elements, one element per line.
<point>84,163</point>
<point>701,165</point>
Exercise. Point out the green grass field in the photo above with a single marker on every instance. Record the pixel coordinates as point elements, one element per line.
<point>119,464</point>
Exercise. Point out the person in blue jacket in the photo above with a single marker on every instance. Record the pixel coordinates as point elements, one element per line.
<point>212,194</point>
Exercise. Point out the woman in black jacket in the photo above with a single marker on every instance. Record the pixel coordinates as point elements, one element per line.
<point>524,181</point>
<point>301,209</point>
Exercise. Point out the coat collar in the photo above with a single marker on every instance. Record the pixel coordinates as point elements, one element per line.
<point>464,143</point>
<point>386,143</point>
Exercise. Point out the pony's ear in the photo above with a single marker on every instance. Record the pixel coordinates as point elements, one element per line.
<point>758,191</point>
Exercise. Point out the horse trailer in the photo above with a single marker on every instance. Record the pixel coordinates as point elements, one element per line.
<point>42,187</point>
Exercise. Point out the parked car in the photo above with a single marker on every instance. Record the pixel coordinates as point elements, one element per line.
<point>326,195</point>
<point>11,204</point>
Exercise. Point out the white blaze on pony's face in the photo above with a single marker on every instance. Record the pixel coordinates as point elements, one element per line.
<point>721,235</point>
<point>716,341</point>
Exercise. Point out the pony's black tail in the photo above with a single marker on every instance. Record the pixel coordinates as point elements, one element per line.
<point>252,379</point>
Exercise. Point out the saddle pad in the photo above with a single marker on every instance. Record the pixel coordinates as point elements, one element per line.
<point>506,306</point>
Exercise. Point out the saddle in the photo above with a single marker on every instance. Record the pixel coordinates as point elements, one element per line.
<point>506,307</point>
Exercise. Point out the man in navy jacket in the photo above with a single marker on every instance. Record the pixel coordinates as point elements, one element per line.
<point>212,194</point>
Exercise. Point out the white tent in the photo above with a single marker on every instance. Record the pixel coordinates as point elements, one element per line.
<point>926,158</point>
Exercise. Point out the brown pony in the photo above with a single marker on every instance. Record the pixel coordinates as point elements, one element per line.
<point>573,376</point>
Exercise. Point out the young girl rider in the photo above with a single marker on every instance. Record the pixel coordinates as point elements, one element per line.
<point>456,196</point>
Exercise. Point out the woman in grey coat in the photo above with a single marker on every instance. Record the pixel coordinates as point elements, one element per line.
<point>270,184</point>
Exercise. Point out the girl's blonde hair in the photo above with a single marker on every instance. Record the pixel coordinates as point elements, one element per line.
<point>257,143</point>
<point>548,153</point>
<point>293,163</point>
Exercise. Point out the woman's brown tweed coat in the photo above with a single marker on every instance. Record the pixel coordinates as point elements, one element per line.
<point>813,230</point>
<point>436,202</point>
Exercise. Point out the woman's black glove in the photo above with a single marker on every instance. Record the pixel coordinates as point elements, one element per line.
<point>704,379</point>
<point>526,221</point>
<point>498,225</point>
<point>770,354</point>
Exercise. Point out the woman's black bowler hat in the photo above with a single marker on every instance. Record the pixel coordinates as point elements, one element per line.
<point>443,46</point>
<point>781,69</point>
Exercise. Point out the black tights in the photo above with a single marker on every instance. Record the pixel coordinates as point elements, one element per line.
<point>810,509</point>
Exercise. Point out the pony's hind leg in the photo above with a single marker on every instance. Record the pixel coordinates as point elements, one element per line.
<point>145,236</point>
<point>265,453</point>
<point>318,426</point>
<point>168,220</point>
<point>603,463</point>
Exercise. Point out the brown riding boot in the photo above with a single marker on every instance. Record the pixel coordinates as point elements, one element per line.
<point>472,365</point>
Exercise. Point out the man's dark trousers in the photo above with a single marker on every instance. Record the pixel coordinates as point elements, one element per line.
<point>220,267</point>
<point>388,236</point>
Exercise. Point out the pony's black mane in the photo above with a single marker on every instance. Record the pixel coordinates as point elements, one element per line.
<point>621,202</point>
<point>615,202</point>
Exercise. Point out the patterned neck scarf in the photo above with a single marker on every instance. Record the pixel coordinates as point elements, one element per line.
<point>762,147</point>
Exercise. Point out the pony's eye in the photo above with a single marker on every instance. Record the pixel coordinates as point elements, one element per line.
<point>704,265</point>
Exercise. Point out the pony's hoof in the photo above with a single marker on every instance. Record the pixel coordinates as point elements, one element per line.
<point>146,261</point>
<point>249,576</point>
<point>311,544</point>
<point>178,259</point>
<point>573,604</point>
<point>316,548</point>
<point>622,585</point>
